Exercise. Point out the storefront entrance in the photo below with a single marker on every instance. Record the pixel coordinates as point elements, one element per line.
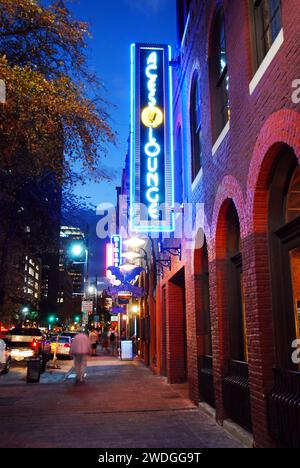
<point>176,329</point>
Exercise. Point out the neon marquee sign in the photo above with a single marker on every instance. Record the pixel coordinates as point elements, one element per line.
<point>152,194</point>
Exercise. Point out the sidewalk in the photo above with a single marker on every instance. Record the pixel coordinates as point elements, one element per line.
<point>18,372</point>
<point>121,405</point>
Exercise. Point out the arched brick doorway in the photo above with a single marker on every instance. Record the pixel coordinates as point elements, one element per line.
<point>203,325</point>
<point>284,256</point>
<point>176,328</point>
<point>233,395</point>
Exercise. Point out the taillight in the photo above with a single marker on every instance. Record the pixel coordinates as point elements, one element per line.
<point>35,344</point>
<point>67,346</point>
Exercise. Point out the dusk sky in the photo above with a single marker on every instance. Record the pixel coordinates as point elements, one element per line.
<point>115,24</point>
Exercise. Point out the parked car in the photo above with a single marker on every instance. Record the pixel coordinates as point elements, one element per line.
<point>62,345</point>
<point>3,332</point>
<point>26,343</point>
<point>5,358</point>
<point>71,334</point>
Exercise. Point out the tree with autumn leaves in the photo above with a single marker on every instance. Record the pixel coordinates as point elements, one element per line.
<point>54,116</point>
<point>49,85</point>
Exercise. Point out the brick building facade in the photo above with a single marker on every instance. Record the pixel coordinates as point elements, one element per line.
<point>227,313</point>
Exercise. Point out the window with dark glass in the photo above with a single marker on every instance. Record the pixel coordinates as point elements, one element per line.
<point>236,298</point>
<point>206,304</point>
<point>284,245</point>
<point>178,168</point>
<point>219,76</point>
<point>196,127</point>
<point>292,206</point>
<point>266,26</point>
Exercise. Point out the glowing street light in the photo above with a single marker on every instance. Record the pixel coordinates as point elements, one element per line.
<point>130,255</point>
<point>134,242</point>
<point>127,267</point>
<point>77,250</point>
<point>91,289</point>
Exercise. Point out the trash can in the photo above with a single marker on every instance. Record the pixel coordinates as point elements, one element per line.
<point>33,370</point>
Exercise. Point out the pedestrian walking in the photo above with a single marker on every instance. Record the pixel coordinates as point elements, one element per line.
<point>104,341</point>
<point>80,348</point>
<point>113,341</point>
<point>94,338</point>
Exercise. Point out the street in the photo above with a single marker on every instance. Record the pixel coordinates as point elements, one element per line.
<point>120,405</point>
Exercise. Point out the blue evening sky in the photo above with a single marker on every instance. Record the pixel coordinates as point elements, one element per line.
<point>115,24</point>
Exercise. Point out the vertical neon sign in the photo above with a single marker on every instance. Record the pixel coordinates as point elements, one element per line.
<point>109,259</point>
<point>152,192</point>
<point>117,250</point>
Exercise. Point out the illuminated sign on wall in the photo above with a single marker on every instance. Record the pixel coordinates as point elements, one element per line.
<point>152,193</point>
<point>109,260</point>
<point>116,250</point>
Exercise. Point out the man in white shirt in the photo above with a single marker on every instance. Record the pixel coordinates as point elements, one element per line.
<point>80,348</point>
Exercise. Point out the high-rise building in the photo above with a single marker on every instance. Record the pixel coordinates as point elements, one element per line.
<point>29,232</point>
<point>65,297</point>
<point>73,260</point>
<point>32,280</point>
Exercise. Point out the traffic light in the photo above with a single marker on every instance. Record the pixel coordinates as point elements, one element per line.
<point>51,319</point>
<point>77,318</point>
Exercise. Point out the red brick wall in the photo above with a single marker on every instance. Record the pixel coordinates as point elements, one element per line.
<point>239,171</point>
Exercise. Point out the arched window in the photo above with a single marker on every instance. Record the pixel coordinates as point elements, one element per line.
<point>178,168</point>
<point>266,16</point>
<point>219,76</point>
<point>196,127</point>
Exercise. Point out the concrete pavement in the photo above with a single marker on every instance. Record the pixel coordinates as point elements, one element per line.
<point>121,405</point>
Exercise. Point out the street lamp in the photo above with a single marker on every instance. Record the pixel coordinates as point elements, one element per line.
<point>134,242</point>
<point>138,244</point>
<point>77,250</point>
<point>127,266</point>
<point>91,289</point>
<point>130,255</point>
